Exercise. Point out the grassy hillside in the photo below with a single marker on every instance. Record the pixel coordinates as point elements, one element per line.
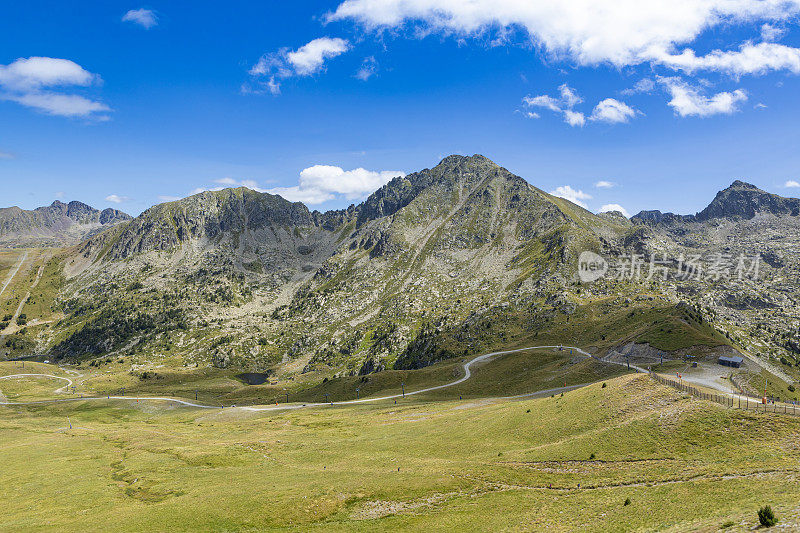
<point>684,465</point>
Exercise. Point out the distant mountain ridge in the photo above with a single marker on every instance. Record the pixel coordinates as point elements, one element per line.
<point>58,224</point>
<point>740,201</point>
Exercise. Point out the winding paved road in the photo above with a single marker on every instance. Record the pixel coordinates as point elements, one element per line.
<point>467,374</point>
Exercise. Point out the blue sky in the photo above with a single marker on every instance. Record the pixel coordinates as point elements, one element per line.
<point>125,105</point>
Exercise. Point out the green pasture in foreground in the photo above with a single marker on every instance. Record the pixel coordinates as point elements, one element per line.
<point>685,465</point>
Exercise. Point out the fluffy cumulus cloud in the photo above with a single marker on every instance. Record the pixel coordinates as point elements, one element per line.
<point>146,18</point>
<point>322,183</point>
<point>40,82</point>
<point>608,208</point>
<point>305,61</point>
<point>593,32</point>
<point>689,101</point>
<point>603,184</point>
<point>575,196</point>
<point>662,35</point>
<point>608,110</point>
<point>792,184</point>
<point>574,118</point>
<point>612,111</point>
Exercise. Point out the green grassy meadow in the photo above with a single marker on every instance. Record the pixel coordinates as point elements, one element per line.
<point>488,465</point>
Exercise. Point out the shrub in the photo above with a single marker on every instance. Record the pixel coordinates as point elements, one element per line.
<point>591,457</point>
<point>604,386</point>
<point>627,501</point>
<point>766,517</point>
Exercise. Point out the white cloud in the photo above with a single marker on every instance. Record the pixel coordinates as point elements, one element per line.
<point>65,105</point>
<point>543,101</point>
<point>222,183</point>
<point>31,82</point>
<point>60,194</point>
<point>612,111</point>
<point>574,196</point>
<point>749,59</point>
<point>250,184</point>
<point>588,32</point>
<point>688,101</point>
<point>792,184</point>
<point>532,115</point>
<point>116,199</point>
<point>574,118</point>
<point>568,98</point>
<point>608,110</point>
<point>603,184</point>
<point>198,190</point>
<point>34,73</point>
<point>614,207</point>
<point>305,61</point>
<point>771,33</point>
<point>310,57</point>
<point>167,198</point>
<point>146,18</point>
<point>644,86</point>
<point>368,68</point>
<point>321,183</point>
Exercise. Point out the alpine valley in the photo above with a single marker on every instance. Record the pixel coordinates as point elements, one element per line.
<point>435,266</point>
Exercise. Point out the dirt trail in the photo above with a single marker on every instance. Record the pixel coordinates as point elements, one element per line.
<point>22,302</point>
<point>13,273</point>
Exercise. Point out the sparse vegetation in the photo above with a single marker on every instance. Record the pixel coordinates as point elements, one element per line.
<point>766,517</point>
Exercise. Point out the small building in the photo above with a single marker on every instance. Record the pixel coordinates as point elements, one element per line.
<point>733,361</point>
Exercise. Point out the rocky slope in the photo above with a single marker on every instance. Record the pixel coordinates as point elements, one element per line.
<point>441,263</point>
<point>58,224</point>
<point>350,287</point>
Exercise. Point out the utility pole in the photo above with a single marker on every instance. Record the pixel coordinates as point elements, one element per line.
<point>403,384</point>
<point>358,395</point>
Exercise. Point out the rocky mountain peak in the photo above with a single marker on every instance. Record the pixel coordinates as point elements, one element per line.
<point>744,201</point>
<point>739,184</point>
<point>451,171</point>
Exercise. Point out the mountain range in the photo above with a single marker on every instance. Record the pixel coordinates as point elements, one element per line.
<point>58,224</point>
<point>441,263</point>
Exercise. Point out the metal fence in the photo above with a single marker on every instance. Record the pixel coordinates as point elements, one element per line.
<point>733,401</point>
